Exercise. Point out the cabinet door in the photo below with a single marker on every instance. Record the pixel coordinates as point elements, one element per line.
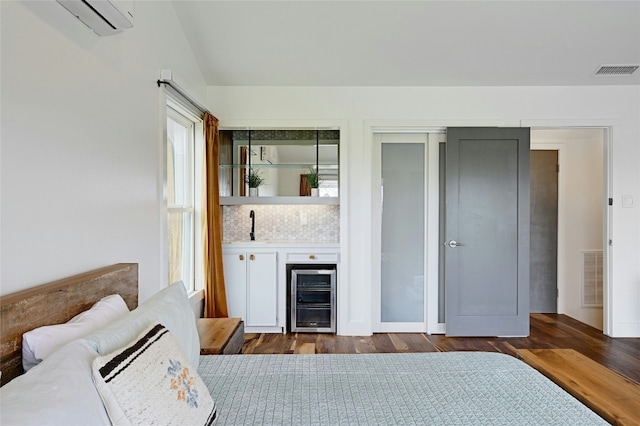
<point>262,301</point>
<point>235,277</point>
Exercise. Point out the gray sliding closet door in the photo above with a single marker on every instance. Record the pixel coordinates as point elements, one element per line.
<point>487,232</point>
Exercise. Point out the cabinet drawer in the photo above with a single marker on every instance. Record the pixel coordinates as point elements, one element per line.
<point>312,257</point>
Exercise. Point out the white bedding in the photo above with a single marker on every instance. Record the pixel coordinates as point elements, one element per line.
<point>58,391</point>
<point>41,342</point>
<point>455,388</point>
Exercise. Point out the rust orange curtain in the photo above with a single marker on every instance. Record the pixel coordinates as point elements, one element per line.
<point>215,295</point>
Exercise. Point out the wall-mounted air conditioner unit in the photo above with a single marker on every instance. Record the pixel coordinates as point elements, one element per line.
<point>104,17</point>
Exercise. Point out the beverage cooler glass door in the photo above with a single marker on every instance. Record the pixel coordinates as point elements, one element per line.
<point>313,300</point>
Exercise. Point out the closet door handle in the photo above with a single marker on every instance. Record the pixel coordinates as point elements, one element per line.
<point>251,257</point>
<point>454,244</point>
<point>241,257</point>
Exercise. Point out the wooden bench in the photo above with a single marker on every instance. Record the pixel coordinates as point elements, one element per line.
<point>612,396</point>
<point>220,335</point>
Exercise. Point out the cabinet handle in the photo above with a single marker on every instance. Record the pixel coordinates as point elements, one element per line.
<point>312,256</point>
<point>251,257</point>
<point>241,257</point>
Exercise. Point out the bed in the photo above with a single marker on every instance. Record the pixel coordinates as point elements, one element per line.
<point>418,388</point>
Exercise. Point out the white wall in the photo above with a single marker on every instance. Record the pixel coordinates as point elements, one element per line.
<point>81,141</point>
<point>580,206</point>
<point>81,161</point>
<point>271,176</point>
<point>290,181</point>
<point>361,108</point>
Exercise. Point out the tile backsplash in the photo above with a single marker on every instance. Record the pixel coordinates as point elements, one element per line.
<point>308,223</point>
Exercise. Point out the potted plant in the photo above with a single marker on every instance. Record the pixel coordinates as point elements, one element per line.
<point>313,179</point>
<point>254,180</point>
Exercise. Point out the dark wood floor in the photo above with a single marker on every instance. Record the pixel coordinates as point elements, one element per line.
<point>548,331</point>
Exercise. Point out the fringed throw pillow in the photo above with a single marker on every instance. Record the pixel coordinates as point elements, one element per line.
<point>151,382</point>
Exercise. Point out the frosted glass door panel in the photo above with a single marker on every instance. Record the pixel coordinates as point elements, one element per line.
<point>403,199</point>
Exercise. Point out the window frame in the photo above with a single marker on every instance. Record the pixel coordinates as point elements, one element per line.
<point>182,114</point>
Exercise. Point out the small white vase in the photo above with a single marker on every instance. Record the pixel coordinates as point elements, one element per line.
<point>253,192</point>
<point>314,192</point>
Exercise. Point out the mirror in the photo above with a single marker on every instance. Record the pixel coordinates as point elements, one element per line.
<point>279,161</point>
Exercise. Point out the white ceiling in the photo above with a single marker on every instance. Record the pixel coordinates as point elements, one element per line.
<point>411,43</point>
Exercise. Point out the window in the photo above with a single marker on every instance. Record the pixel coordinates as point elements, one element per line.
<point>182,183</point>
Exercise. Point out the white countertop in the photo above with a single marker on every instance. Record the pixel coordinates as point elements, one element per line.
<point>281,243</point>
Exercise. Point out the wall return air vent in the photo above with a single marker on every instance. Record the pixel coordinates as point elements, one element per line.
<point>592,278</point>
<point>620,70</point>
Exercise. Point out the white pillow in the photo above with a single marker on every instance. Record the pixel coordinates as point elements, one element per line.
<point>150,381</point>
<point>41,342</point>
<point>58,391</point>
<point>170,307</point>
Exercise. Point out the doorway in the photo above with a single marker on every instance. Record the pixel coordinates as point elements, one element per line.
<point>582,222</point>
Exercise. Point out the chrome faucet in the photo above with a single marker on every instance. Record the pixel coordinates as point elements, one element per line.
<point>252,215</point>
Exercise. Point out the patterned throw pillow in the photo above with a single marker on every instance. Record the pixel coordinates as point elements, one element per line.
<point>150,382</point>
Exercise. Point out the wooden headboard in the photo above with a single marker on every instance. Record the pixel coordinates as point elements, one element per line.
<point>56,303</point>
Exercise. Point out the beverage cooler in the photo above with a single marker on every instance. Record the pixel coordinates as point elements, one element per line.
<point>313,300</point>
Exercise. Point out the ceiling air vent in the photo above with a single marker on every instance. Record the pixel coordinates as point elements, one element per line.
<point>616,69</point>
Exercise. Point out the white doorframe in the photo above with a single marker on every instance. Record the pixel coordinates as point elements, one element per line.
<point>433,126</point>
<point>435,130</point>
<point>431,138</point>
<point>434,326</point>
